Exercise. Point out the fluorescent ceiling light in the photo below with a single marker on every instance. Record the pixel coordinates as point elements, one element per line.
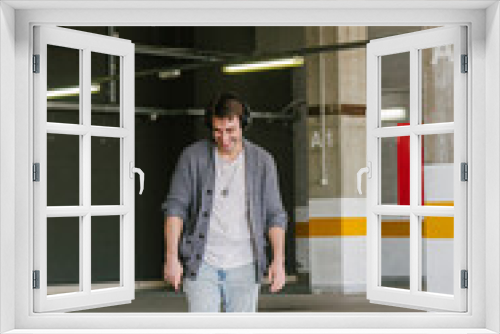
<point>393,114</point>
<point>70,91</point>
<point>264,65</point>
<point>171,74</point>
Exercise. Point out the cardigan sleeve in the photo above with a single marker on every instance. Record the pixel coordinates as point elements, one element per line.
<point>181,189</point>
<point>275,214</point>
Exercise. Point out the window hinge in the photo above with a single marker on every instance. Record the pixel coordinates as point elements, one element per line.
<point>464,172</point>
<point>465,279</point>
<point>36,172</point>
<point>36,279</point>
<point>36,63</point>
<point>465,63</point>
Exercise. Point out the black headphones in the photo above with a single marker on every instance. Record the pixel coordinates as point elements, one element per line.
<point>219,103</point>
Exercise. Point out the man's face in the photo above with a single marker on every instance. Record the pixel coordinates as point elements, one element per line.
<point>227,133</point>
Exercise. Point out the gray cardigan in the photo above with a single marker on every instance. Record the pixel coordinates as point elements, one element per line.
<point>191,194</point>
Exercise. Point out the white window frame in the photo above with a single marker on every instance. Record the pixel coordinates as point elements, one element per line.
<point>85,44</point>
<point>483,311</point>
<point>413,44</point>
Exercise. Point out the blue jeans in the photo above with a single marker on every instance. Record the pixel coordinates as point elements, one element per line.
<point>235,289</point>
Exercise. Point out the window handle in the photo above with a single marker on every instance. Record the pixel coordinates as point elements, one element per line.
<point>368,171</point>
<point>141,175</point>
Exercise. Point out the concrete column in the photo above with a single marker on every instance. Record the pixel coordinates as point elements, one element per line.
<point>337,258</point>
<point>325,174</point>
<point>352,88</point>
<point>316,36</point>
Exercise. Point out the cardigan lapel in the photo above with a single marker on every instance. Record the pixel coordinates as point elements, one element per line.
<point>250,173</point>
<point>209,175</point>
<point>249,169</point>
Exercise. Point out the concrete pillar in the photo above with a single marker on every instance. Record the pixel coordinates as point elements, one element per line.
<point>337,258</point>
<point>325,174</point>
<point>352,87</point>
<point>316,36</point>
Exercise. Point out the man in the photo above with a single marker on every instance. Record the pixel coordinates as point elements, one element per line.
<point>223,202</point>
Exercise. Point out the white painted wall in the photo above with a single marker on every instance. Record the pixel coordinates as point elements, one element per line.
<point>437,266</point>
<point>354,270</point>
<point>302,244</point>
<point>438,182</point>
<point>336,264</point>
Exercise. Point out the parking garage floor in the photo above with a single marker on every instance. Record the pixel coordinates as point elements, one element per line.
<point>293,298</point>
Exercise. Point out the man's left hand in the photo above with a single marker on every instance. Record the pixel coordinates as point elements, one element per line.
<point>276,276</point>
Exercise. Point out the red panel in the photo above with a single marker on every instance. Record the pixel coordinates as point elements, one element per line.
<point>422,168</point>
<point>403,149</point>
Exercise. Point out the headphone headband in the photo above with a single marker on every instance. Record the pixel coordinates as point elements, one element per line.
<point>219,103</point>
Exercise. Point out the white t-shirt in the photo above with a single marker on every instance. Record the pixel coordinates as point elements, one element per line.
<point>229,239</point>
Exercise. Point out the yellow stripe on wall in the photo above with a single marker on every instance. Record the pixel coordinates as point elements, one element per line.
<point>331,227</point>
<point>438,227</point>
<point>321,227</point>
<point>442,203</point>
<point>396,229</point>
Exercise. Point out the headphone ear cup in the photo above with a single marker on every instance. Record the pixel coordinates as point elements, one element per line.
<point>243,122</point>
<point>207,118</point>
<point>245,118</point>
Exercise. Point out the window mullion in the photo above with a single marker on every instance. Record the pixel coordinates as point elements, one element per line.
<point>414,170</point>
<point>85,165</point>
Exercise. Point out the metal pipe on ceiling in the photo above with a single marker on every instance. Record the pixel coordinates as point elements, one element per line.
<point>220,59</point>
<point>147,111</point>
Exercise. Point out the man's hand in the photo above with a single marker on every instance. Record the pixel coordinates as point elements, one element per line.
<point>172,271</point>
<point>276,276</point>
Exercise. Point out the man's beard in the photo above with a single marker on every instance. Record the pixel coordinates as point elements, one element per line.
<point>231,148</point>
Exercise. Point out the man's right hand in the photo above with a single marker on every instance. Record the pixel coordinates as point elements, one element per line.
<point>172,271</point>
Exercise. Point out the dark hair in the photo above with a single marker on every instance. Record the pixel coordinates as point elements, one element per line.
<point>227,105</point>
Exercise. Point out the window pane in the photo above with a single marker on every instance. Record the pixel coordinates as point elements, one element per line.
<point>63,170</point>
<point>105,238</point>
<point>105,171</point>
<point>395,90</point>
<point>437,84</point>
<point>437,254</point>
<point>395,170</point>
<point>105,89</point>
<point>395,252</point>
<point>63,85</point>
<point>63,255</point>
<point>438,169</point>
